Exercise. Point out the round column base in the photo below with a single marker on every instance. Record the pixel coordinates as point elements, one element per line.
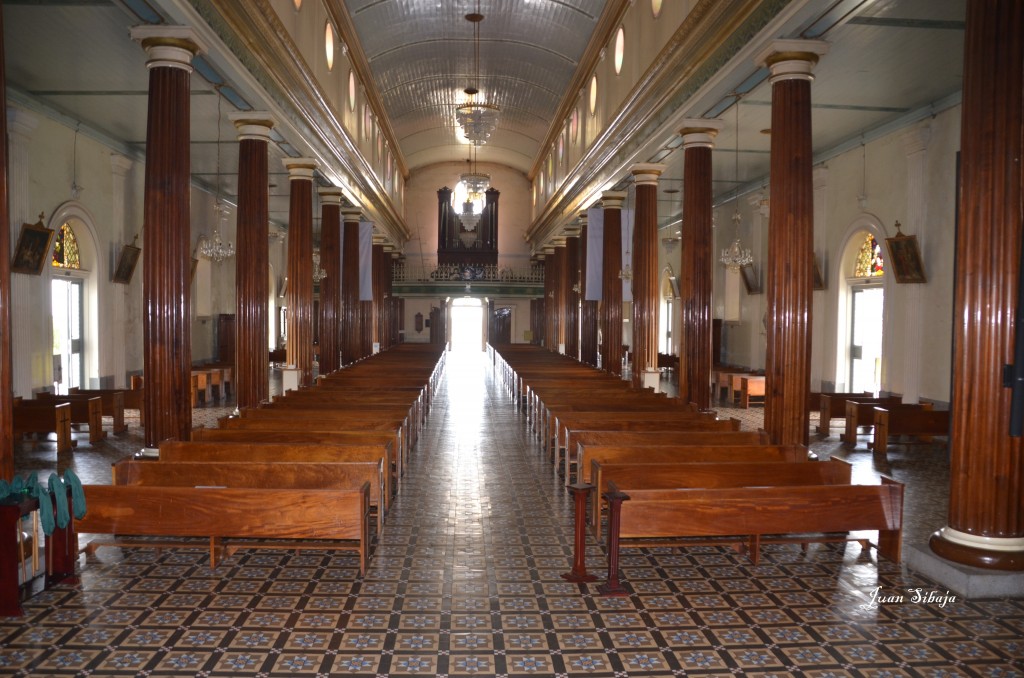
<point>963,554</point>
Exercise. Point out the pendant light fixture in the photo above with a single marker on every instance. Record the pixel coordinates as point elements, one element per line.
<point>734,257</point>
<point>214,248</point>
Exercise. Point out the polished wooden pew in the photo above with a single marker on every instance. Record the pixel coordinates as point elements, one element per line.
<point>381,490</point>
<point>920,423</point>
<point>44,418</point>
<point>751,389</point>
<point>833,406</point>
<point>594,459</point>
<point>113,402</point>
<point>85,409</point>
<point>636,421</point>
<point>222,514</point>
<point>862,414</point>
<point>323,470</point>
<point>754,514</point>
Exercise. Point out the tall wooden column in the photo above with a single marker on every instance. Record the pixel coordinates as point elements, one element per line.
<point>572,296</point>
<point>300,267</point>
<point>611,283</point>
<point>550,307</point>
<point>790,262</point>
<point>252,369</point>
<point>350,309</point>
<point>561,299</point>
<point>588,309</point>
<point>330,284</point>
<point>6,367</point>
<point>986,513</point>
<point>696,265</point>
<point>166,256</point>
<point>378,297</point>
<point>645,276</point>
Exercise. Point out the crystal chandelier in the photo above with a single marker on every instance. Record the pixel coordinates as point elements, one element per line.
<point>214,248</point>
<point>476,183</point>
<point>318,272</point>
<point>476,118</point>
<point>735,256</point>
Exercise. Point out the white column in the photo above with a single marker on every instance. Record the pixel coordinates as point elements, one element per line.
<point>25,294</point>
<point>820,308</point>
<point>113,354</point>
<point>915,144</point>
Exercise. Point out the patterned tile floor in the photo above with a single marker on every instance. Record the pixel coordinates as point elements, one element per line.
<point>465,580</point>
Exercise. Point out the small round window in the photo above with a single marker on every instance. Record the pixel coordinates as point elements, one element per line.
<point>620,49</point>
<point>367,121</point>
<point>656,8</point>
<point>298,4</point>
<point>574,126</point>
<point>352,91</point>
<point>593,95</point>
<point>329,45</point>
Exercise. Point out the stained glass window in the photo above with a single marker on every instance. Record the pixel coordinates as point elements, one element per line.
<point>65,249</point>
<point>869,259</point>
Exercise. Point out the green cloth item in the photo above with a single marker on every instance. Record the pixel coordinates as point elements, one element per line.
<point>77,493</point>
<point>60,500</point>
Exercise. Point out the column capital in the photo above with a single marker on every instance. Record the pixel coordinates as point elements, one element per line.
<point>21,122</point>
<point>169,46</point>
<point>300,168</point>
<point>819,177</point>
<point>330,195</point>
<point>583,217</point>
<point>700,132</point>
<point>792,59</point>
<point>647,173</point>
<point>916,140</point>
<point>612,200</point>
<point>254,125</point>
<point>120,165</point>
<point>350,214</point>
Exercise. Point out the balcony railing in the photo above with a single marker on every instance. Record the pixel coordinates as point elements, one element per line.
<point>528,274</point>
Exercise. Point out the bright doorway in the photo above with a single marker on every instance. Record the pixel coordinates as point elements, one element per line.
<point>467,325</point>
<point>66,306</point>
<point>867,304</point>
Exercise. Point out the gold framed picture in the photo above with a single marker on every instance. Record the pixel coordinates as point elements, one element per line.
<point>33,246</point>
<point>126,264</point>
<point>905,257</point>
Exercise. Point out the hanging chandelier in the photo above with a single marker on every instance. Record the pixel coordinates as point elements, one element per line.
<point>213,247</point>
<point>735,256</point>
<point>477,119</point>
<point>476,183</point>
<point>318,272</point>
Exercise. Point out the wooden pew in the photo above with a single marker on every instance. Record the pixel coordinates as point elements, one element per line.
<point>290,450</point>
<point>610,422</point>
<point>594,460</point>
<point>44,418</point>
<point>859,414</point>
<point>784,513</point>
<point>113,402</point>
<point>751,387</point>
<point>833,406</point>
<point>320,471</point>
<point>226,513</point>
<point>85,409</point>
<point>907,422</point>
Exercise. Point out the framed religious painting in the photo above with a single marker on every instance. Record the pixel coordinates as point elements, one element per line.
<point>905,258</point>
<point>126,264</point>
<point>751,280</point>
<point>32,248</point>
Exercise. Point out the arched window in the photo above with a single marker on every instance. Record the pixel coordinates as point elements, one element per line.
<point>65,249</point>
<point>869,262</point>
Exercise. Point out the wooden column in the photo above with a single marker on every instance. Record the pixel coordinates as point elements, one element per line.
<point>588,309</point>
<point>300,267</point>
<point>790,262</point>
<point>572,296</point>
<point>561,261</point>
<point>611,283</point>
<point>378,297</point>
<point>986,513</point>
<point>350,310</point>
<point>550,307</point>
<point>166,256</point>
<point>6,367</point>
<point>330,285</point>
<point>696,273</point>
<point>252,345</point>
<point>645,276</point>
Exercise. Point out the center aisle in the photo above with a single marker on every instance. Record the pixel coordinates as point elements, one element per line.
<point>471,555</point>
